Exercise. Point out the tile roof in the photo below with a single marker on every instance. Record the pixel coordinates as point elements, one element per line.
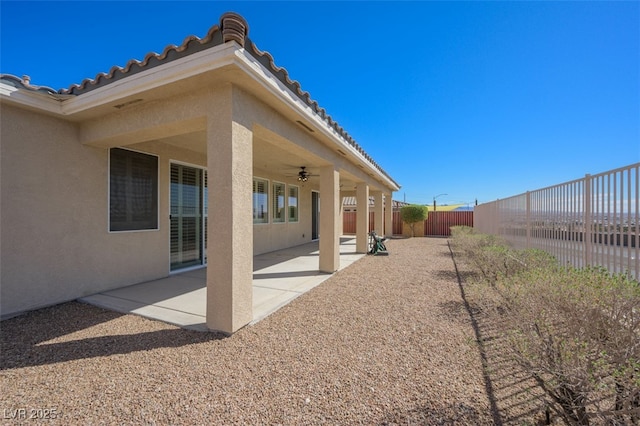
<point>232,27</point>
<point>25,83</point>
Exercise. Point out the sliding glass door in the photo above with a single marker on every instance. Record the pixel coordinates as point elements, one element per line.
<point>188,216</point>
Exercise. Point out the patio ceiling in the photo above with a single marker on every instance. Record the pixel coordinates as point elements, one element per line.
<point>270,157</point>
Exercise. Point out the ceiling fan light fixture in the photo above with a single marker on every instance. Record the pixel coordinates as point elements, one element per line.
<point>303,175</point>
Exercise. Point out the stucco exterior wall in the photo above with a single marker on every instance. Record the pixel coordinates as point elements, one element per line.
<point>55,241</point>
<point>273,236</point>
<point>273,129</point>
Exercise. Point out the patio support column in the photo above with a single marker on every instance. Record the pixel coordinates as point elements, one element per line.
<point>378,215</point>
<point>230,230</point>
<point>362,218</point>
<point>388,214</point>
<point>330,225</point>
<point>340,212</point>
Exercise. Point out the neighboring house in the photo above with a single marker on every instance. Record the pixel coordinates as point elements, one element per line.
<point>186,158</point>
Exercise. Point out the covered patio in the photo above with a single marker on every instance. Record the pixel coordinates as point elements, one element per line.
<point>180,299</point>
<point>207,154</point>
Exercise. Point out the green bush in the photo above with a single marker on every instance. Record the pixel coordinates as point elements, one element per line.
<point>412,214</point>
<point>576,331</point>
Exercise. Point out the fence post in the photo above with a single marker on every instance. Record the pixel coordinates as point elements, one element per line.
<point>588,222</point>
<point>528,207</point>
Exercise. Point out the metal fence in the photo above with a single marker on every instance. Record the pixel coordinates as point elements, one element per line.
<point>437,223</point>
<point>397,223</point>
<point>349,222</point>
<point>590,221</point>
<point>440,223</point>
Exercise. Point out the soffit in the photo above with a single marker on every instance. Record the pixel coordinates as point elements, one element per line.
<point>275,158</point>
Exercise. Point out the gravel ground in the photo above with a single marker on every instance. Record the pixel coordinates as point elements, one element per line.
<point>387,340</point>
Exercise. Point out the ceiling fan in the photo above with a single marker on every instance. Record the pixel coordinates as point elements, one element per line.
<point>303,175</point>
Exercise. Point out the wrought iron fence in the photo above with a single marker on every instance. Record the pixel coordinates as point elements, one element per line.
<point>591,221</point>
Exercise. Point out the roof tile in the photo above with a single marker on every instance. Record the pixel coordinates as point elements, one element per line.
<point>232,27</point>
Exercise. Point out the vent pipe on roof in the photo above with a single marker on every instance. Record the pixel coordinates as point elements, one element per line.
<point>233,27</point>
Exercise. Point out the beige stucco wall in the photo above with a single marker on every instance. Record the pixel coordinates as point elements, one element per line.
<point>188,111</point>
<point>273,236</point>
<point>270,127</point>
<point>55,241</point>
<point>55,245</point>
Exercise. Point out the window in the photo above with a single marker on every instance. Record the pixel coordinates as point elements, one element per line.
<point>133,190</point>
<point>293,203</point>
<point>279,210</point>
<point>260,200</point>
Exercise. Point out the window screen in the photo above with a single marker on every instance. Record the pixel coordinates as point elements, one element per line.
<point>133,190</point>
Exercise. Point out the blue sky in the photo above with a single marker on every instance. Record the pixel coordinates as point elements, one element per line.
<point>476,100</point>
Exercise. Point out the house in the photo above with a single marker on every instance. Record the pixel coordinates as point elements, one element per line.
<point>189,157</point>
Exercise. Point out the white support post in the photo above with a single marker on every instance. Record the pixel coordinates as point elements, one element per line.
<point>588,222</point>
<point>528,207</point>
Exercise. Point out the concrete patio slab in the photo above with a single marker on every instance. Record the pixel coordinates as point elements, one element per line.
<point>180,299</point>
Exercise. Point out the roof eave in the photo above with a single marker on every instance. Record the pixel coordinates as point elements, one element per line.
<point>208,60</point>
<point>30,99</point>
<point>153,78</point>
<point>255,69</point>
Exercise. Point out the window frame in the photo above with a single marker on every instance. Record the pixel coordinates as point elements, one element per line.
<point>268,201</point>
<point>283,210</point>
<point>157,191</point>
<point>204,211</point>
<point>297,206</point>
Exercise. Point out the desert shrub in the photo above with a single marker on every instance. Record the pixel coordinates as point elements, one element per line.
<point>576,331</point>
<point>536,258</point>
<point>492,257</point>
<point>461,231</point>
<point>412,214</point>
<point>470,244</point>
